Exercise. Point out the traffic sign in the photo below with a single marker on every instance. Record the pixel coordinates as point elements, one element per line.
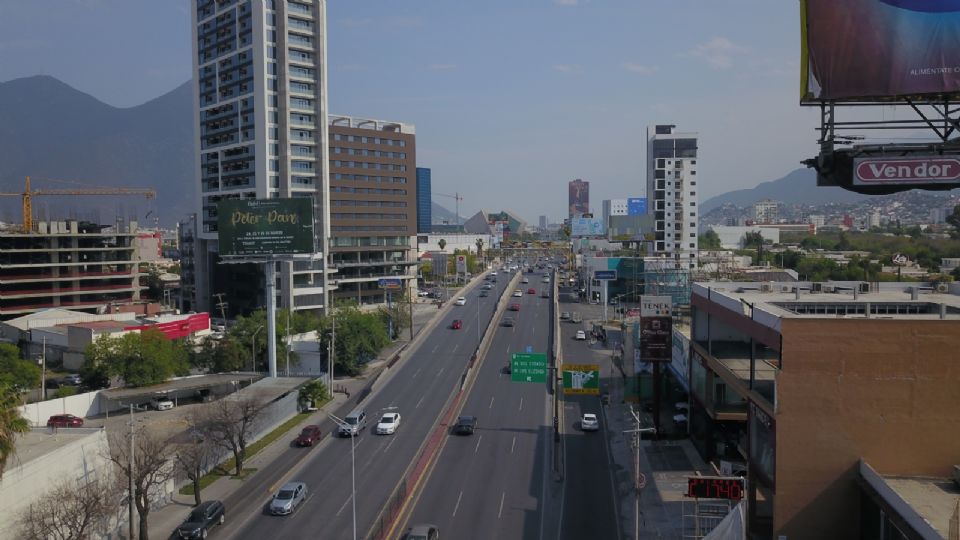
<point>581,379</point>
<point>389,283</point>
<point>528,367</point>
<point>529,348</point>
<point>605,275</point>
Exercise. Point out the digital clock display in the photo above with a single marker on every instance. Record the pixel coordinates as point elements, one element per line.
<point>711,487</point>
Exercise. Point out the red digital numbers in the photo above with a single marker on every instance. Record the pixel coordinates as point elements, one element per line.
<point>715,488</point>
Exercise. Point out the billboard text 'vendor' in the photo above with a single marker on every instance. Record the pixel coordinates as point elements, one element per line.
<point>265,226</point>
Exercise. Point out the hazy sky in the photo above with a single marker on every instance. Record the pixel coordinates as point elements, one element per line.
<point>511,98</point>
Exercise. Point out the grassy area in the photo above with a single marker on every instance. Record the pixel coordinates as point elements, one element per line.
<point>226,468</point>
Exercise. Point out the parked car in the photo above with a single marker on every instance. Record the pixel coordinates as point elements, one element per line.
<point>524,281</point>
<point>290,496</point>
<point>73,379</point>
<point>487,286</point>
<point>545,293</point>
<point>64,420</point>
<point>423,293</point>
<point>465,425</point>
<point>201,519</point>
<point>388,423</point>
<point>309,435</point>
<point>564,315</point>
<point>161,403</point>
<point>589,422</point>
<point>576,317</point>
<point>531,291</point>
<point>423,531</point>
<point>484,294</point>
<point>581,335</point>
<point>456,324</point>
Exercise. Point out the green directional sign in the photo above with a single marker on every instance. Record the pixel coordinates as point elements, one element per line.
<point>528,367</point>
<point>581,379</point>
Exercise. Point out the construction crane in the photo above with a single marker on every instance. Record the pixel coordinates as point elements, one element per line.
<point>29,193</point>
<point>456,197</point>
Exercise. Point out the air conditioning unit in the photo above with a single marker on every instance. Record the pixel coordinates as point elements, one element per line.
<point>829,289</point>
<point>785,288</point>
<point>864,288</point>
<point>942,287</point>
<point>766,287</point>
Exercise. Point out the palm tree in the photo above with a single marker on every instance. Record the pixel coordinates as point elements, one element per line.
<point>11,424</point>
<point>479,247</point>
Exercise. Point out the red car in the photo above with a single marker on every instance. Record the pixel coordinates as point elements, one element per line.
<point>308,436</point>
<point>457,324</point>
<point>65,420</point>
<point>531,291</point>
<point>514,307</point>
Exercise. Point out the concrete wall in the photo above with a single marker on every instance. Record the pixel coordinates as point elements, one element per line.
<point>82,405</point>
<point>884,390</point>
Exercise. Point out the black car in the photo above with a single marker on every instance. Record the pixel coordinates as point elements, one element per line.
<point>202,519</point>
<point>508,321</point>
<point>465,425</point>
<point>484,293</point>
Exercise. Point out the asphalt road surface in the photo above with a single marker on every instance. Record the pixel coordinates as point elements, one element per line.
<point>492,484</point>
<point>418,390</point>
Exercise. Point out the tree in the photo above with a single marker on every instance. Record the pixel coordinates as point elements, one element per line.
<point>193,458</point>
<point>479,247</point>
<point>709,240</point>
<point>140,359</point>
<point>154,283</point>
<point>11,423</point>
<point>15,371</point>
<point>314,392</point>
<point>69,511</point>
<point>359,337</point>
<point>152,468</point>
<point>954,219</point>
<point>229,423</point>
<point>219,355</point>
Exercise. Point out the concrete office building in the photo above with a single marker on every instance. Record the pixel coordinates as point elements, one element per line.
<point>766,211</point>
<point>260,111</point>
<point>840,398</point>
<point>424,201</point>
<point>373,206</point>
<point>672,193</point>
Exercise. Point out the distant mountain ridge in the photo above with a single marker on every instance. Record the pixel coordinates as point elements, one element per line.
<point>797,187</point>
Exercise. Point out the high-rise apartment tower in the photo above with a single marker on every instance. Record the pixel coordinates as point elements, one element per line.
<point>260,111</point>
<point>672,193</point>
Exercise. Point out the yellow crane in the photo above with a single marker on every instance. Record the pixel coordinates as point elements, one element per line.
<point>29,193</point>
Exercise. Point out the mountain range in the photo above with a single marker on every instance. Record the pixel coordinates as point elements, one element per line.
<point>66,139</point>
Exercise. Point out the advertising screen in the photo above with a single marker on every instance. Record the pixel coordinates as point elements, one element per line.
<point>879,49</point>
<point>636,206</point>
<point>265,226</point>
<point>579,198</point>
<point>587,227</point>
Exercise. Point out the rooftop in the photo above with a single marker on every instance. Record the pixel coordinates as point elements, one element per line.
<point>41,441</point>
<point>935,499</point>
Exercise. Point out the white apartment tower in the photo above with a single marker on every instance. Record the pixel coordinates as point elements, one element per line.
<point>260,111</point>
<point>766,211</point>
<point>672,193</point>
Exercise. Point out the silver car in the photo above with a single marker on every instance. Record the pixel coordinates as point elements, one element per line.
<point>288,498</point>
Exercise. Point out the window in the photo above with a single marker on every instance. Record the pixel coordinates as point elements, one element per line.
<point>692,203</point>
<point>692,245</point>
<point>693,214</point>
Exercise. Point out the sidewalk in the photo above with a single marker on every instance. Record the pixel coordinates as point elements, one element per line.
<point>164,521</point>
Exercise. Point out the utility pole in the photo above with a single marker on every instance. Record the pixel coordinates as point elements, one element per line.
<point>43,371</point>
<point>223,308</point>
<point>410,301</point>
<point>639,479</point>
<point>286,342</point>
<point>330,353</point>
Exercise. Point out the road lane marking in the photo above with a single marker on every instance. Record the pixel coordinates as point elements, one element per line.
<point>491,403</point>
<point>455,347</point>
<point>417,372</point>
<point>521,403</point>
<point>477,449</point>
<point>458,504</point>
<point>435,348</point>
<point>503,495</point>
<point>514,443</point>
<point>344,505</point>
<point>390,443</point>
<point>417,406</point>
<point>439,372</point>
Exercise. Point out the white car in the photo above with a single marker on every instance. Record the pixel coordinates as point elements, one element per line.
<point>161,403</point>
<point>388,423</point>
<point>423,293</point>
<point>546,280</point>
<point>588,422</point>
<point>581,335</point>
<point>524,281</point>
<point>462,301</point>
<point>518,293</point>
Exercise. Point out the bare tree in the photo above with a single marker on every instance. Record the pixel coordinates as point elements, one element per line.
<point>72,510</point>
<point>230,424</point>
<point>194,457</point>
<point>152,468</point>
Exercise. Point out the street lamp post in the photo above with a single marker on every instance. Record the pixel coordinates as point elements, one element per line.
<point>353,470</point>
<point>253,349</point>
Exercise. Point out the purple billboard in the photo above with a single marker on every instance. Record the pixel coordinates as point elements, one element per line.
<point>879,49</point>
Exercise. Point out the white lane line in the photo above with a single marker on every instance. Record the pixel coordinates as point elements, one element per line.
<point>458,504</point>
<point>435,348</point>
<point>455,347</point>
<point>344,505</point>
<point>491,403</point>
<point>417,406</point>
<point>521,403</point>
<point>389,444</point>
<point>477,449</point>
<point>514,443</point>
<point>439,371</point>
<point>503,495</point>
<point>416,373</point>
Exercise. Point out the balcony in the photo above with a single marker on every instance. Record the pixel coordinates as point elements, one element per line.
<point>731,362</point>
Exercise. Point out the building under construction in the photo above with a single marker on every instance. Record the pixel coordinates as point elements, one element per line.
<point>68,264</point>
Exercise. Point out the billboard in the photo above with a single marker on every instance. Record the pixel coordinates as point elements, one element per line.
<point>636,206</point>
<point>905,170</point>
<point>461,264</point>
<point>438,263</point>
<point>587,227</point>
<point>581,379</point>
<point>265,226</point>
<point>579,198</point>
<point>656,328</point>
<point>879,49</point>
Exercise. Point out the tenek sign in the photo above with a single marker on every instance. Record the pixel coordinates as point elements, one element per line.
<point>905,170</point>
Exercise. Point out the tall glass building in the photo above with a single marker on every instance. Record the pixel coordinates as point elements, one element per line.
<point>424,201</point>
<point>260,108</point>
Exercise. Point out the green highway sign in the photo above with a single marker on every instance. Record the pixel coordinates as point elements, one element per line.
<point>528,367</point>
<point>581,379</point>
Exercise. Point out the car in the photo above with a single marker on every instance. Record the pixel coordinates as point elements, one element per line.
<point>388,423</point>
<point>514,307</point>
<point>484,294</point>
<point>581,335</point>
<point>564,315</point>
<point>487,286</point>
<point>202,518</point>
<point>524,281</point>
<point>508,369</point>
<point>545,279</point>
<point>423,293</point>
<point>531,291</point>
<point>518,293</point>
<point>545,293</point>
<point>456,324</point>
<point>64,420</point>
<point>423,531</point>
<point>73,379</point>
<point>493,274</point>
<point>462,301</point>
<point>589,422</point>
<point>508,321</point>
<point>288,498</point>
<point>576,317</point>
<point>353,423</point>
<point>161,403</point>
<point>309,435</point>
<point>465,425</point>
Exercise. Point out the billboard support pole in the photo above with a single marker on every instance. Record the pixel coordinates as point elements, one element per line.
<point>270,274</point>
<point>606,292</point>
